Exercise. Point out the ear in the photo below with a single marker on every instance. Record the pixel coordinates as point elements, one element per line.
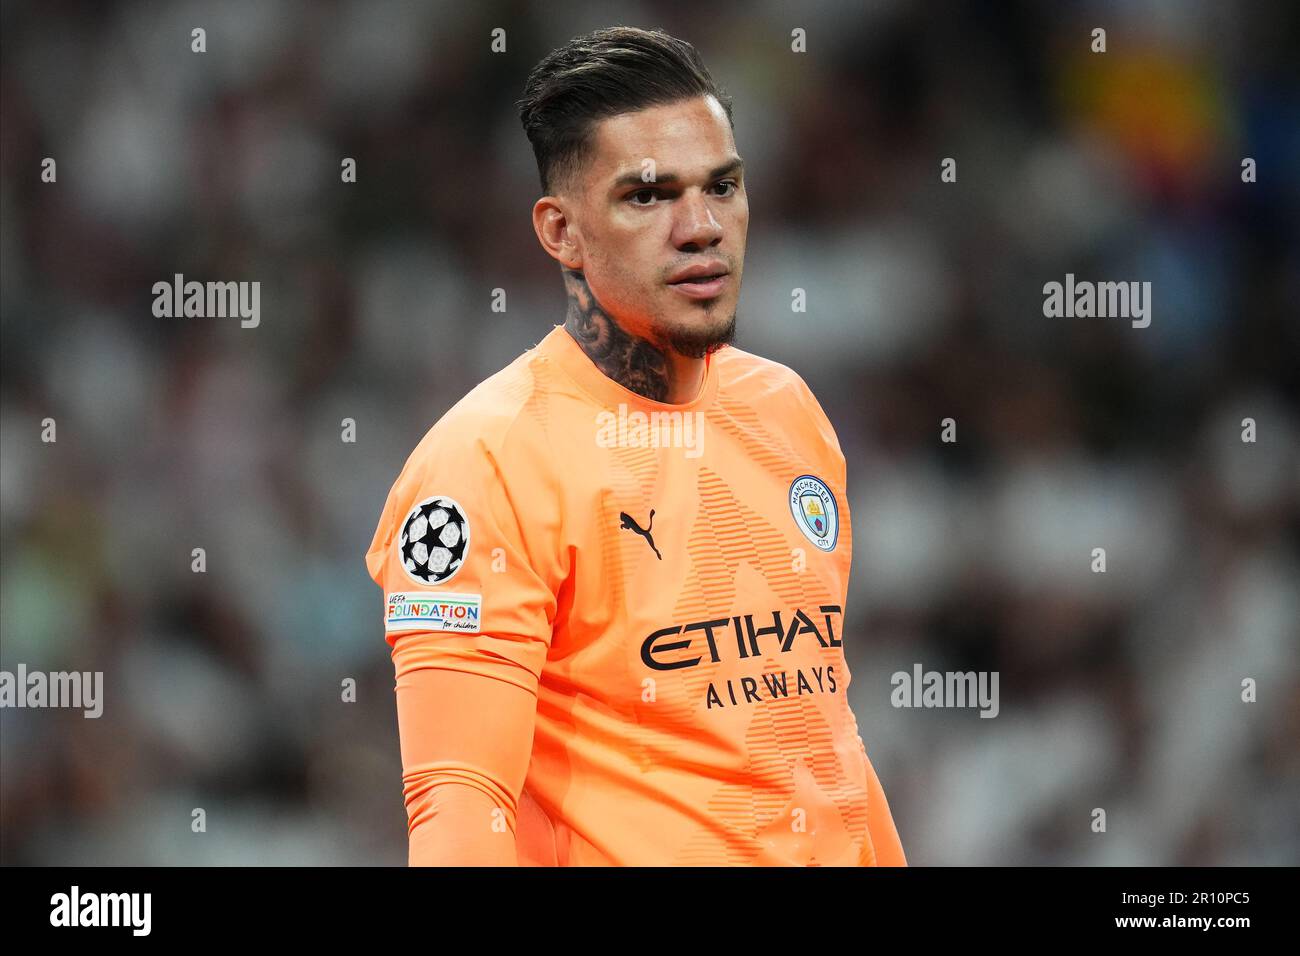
<point>556,232</point>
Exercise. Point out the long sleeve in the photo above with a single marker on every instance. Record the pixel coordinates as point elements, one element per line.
<point>463,555</point>
<point>465,742</point>
<point>888,849</point>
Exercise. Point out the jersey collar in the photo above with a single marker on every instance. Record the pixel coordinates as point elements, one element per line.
<point>561,347</point>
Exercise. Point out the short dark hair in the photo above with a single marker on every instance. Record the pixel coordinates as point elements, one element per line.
<point>601,74</point>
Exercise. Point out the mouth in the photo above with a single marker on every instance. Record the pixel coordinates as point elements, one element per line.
<point>701,288</point>
<point>701,282</point>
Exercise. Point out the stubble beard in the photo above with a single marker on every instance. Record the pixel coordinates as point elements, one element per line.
<point>695,342</point>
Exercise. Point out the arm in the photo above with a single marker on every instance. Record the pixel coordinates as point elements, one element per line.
<point>880,823</point>
<point>465,741</point>
<point>466,683</point>
<point>882,847</point>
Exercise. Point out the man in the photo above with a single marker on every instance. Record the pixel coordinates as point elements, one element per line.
<point>615,571</point>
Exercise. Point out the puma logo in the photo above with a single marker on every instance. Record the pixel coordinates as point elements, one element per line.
<point>626,521</point>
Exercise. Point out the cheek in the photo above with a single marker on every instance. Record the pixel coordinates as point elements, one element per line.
<point>742,220</point>
<point>623,273</point>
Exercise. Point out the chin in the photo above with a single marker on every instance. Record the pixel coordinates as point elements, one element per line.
<point>699,338</point>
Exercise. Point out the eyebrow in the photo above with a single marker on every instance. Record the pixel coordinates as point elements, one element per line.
<point>634,179</point>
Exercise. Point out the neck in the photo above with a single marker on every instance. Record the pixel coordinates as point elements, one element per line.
<point>636,364</point>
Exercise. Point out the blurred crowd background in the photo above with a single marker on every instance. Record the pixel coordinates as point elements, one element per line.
<point>1119,690</point>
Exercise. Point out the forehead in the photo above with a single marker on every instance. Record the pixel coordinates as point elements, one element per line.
<point>689,137</point>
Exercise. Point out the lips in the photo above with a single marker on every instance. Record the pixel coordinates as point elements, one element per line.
<point>701,273</point>
<point>702,288</point>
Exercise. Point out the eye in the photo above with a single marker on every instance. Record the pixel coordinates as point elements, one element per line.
<point>727,183</point>
<point>642,192</point>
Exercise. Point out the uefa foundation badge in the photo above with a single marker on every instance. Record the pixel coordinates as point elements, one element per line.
<point>815,511</point>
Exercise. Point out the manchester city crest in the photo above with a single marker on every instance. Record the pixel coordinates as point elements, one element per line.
<point>815,511</point>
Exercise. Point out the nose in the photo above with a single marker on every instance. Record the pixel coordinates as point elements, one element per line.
<point>696,225</point>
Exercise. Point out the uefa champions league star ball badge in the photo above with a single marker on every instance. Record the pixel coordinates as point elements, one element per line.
<point>815,511</point>
<point>434,540</point>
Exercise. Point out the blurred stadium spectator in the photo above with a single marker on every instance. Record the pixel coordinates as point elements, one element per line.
<point>1118,690</point>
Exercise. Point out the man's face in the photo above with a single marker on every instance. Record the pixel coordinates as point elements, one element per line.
<point>664,192</point>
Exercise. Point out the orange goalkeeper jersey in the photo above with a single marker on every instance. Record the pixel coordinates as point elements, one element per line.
<point>617,625</point>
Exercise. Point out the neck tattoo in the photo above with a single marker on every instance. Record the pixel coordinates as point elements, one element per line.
<point>634,363</point>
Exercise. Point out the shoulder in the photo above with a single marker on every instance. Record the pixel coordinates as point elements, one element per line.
<point>770,387</point>
<point>756,378</point>
<point>477,450</point>
<point>495,419</point>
